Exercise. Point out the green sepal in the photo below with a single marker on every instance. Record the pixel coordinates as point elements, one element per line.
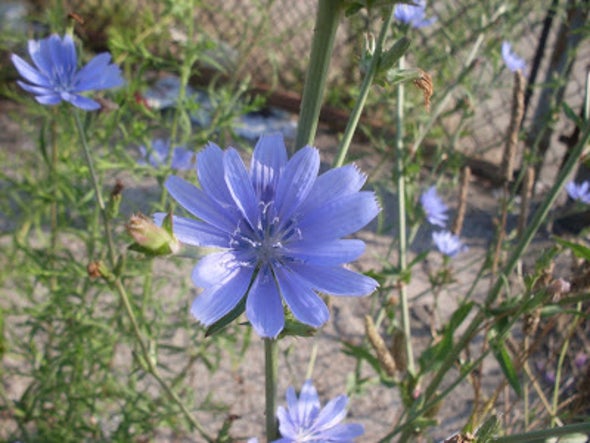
<point>227,318</point>
<point>388,59</point>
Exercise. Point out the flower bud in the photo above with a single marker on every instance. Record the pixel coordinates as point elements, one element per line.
<point>150,238</point>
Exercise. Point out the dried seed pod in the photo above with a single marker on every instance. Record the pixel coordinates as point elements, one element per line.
<point>398,349</point>
<point>463,190</point>
<point>424,83</point>
<point>516,114</point>
<point>385,359</point>
<point>525,198</point>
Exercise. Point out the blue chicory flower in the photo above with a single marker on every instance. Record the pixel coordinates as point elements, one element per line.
<point>513,62</point>
<point>305,421</point>
<point>413,15</point>
<point>182,159</point>
<point>55,76</point>
<point>279,227</point>
<point>579,192</point>
<point>434,207</point>
<point>448,243</point>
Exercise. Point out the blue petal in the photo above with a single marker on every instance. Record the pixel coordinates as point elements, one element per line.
<point>332,414</point>
<point>212,176</point>
<point>49,100</point>
<point>306,305</point>
<point>308,406</point>
<point>196,233</point>
<point>332,253</point>
<point>29,73</point>
<point>240,186</point>
<point>40,54</point>
<point>38,90</point>
<point>268,160</point>
<point>81,102</point>
<point>98,74</point>
<point>199,204</point>
<point>339,217</point>
<point>63,53</point>
<point>216,301</point>
<point>333,184</point>
<point>264,307</point>
<point>335,280</point>
<point>296,181</point>
<point>214,268</point>
<point>344,432</point>
<point>287,427</point>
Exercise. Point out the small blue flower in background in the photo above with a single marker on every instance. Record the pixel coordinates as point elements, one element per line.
<point>279,228</point>
<point>513,62</point>
<point>182,159</point>
<point>414,16</point>
<point>56,77</point>
<point>448,243</point>
<point>305,421</point>
<point>434,207</point>
<point>579,192</point>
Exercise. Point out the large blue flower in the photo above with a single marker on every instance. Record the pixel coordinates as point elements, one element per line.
<point>56,77</point>
<point>304,421</point>
<point>279,227</point>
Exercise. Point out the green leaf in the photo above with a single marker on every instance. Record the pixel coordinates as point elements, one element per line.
<point>579,251</point>
<point>505,362</point>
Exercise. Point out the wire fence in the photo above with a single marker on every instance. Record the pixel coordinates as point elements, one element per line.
<point>271,40</point>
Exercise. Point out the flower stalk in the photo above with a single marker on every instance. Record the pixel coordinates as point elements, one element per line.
<point>271,353</point>
<point>327,19</point>
<point>364,92</point>
<point>401,225</point>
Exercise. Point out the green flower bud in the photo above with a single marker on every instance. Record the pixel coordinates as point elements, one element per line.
<point>150,238</point>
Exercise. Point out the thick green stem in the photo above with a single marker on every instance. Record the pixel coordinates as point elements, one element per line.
<point>401,226</point>
<point>271,353</point>
<point>364,93</point>
<point>327,19</point>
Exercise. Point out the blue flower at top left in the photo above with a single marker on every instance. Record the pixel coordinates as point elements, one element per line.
<point>56,77</point>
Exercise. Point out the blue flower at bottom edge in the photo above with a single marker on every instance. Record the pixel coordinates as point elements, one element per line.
<point>56,77</point>
<point>305,421</point>
<point>279,229</point>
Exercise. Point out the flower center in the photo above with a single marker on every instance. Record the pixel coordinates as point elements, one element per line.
<point>265,244</point>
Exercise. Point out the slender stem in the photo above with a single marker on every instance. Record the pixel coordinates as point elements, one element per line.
<point>560,360</point>
<point>518,250</point>
<point>327,19</point>
<point>271,353</point>
<point>53,206</point>
<point>97,191</point>
<point>401,225</point>
<point>364,92</point>
<point>148,360</point>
